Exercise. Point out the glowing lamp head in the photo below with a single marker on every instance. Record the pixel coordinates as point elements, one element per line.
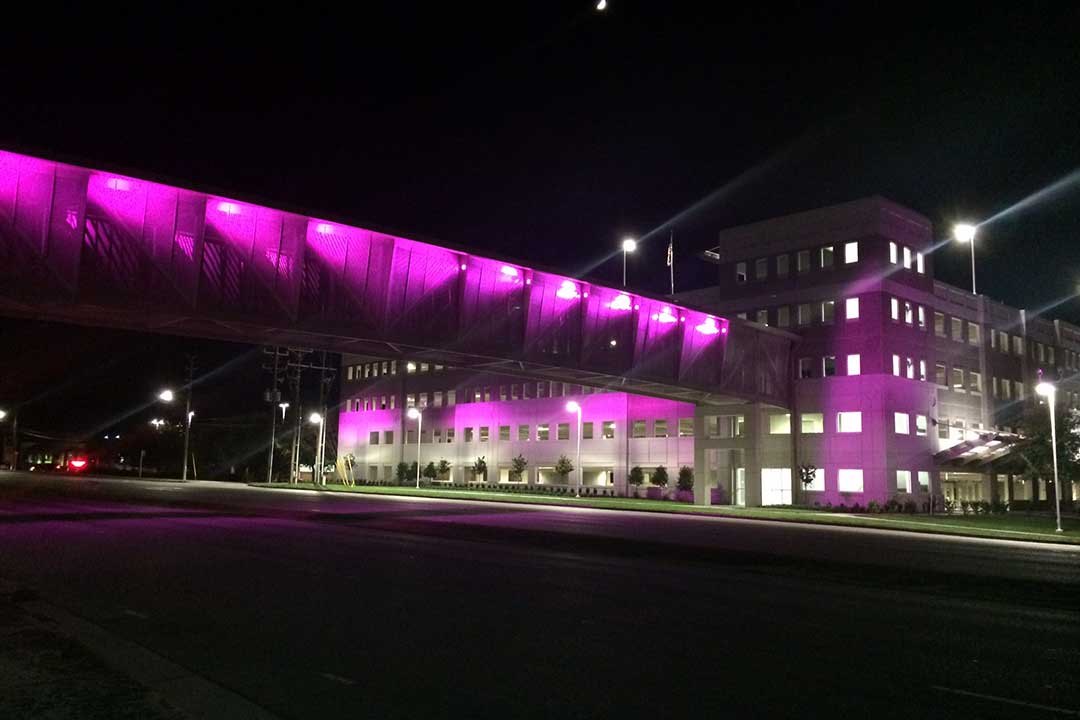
<point>413,414</point>
<point>508,271</point>
<point>1045,389</point>
<point>629,245</point>
<point>601,6</point>
<point>665,316</point>
<point>567,291</point>
<point>229,208</point>
<point>964,232</point>
<point>621,302</point>
<point>462,266</point>
<point>573,407</point>
<point>613,342</point>
<point>166,396</point>
<point>411,367</point>
<point>708,327</point>
<point>3,414</point>
<point>315,418</point>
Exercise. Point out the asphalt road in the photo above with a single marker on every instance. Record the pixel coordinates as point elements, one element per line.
<point>317,605</point>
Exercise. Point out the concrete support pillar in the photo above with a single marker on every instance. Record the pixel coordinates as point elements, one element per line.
<point>702,484</point>
<point>755,434</point>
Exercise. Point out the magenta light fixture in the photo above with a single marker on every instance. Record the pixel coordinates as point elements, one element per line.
<point>324,229</point>
<point>119,184</point>
<point>621,302</point>
<point>528,281</point>
<point>229,208</point>
<point>665,316</point>
<point>510,272</point>
<point>567,291</point>
<point>708,327</point>
<point>636,306</point>
<point>462,266</point>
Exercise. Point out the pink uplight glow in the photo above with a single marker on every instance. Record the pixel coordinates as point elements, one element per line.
<point>567,291</point>
<point>509,271</point>
<point>118,184</point>
<point>621,302</point>
<point>665,315</point>
<point>324,229</point>
<point>462,266</point>
<point>228,208</point>
<point>708,327</point>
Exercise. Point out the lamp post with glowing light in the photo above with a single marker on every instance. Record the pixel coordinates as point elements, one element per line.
<point>575,407</point>
<point>629,245</point>
<point>168,396</point>
<point>965,233</point>
<point>415,414</point>
<point>1048,391</point>
<point>316,419</point>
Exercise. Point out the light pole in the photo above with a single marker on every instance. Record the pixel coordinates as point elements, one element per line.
<point>316,467</point>
<point>168,396</point>
<point>1048,391</point>
<point>415,414</point>
<point>965,233</point>
<point>575,407</point>
<point>629,245</point>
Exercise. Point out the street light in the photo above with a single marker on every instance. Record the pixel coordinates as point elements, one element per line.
<point>965,233</point>
<point>629,245</point>
<point>168,396</point>
<point>1048,391</point>
<point>284,406</point>
<point>316,419</point>
<point>415,414</point>
<point>575,407</point>
<point>3,414</point>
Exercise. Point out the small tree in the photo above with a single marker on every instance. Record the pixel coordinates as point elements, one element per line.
<point>430,472</point>
<point>659,477</point>
<point>636,478</point>
<point>807,473</point>
<point>402,473</point>
<point>1038,455</point>
<point>443,470</point>
<point>517,467</point>
<point>564,467</point>
<point>479,469</point>
<point>686,478</point>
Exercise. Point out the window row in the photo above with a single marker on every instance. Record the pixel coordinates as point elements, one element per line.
<point>898,253</point>
<point>371,369</point>
<point>822,313</point>
<point>954,379</point>
<point>814,423</point>
<point>826,366</point>
<point>441,398</point>
<point>902,424</point>
<point>524,433</point>
<point>953,328</point>
<point>903,480</point>
<point>905,367</point>
<point>823,259</point>
<point>911,312</point>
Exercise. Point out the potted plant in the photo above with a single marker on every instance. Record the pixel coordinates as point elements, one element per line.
<point>685,484</point>
<point>659,481</point>
<point>636,478</point>
<point>517,468</point>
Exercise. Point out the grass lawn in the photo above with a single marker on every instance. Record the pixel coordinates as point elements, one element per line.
<point>1010,526</point>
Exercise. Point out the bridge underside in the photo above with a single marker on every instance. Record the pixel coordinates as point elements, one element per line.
<point>99,249</point>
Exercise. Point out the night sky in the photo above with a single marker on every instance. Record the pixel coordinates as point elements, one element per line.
<point>546,131</point>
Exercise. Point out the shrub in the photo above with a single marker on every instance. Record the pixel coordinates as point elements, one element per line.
<point>479,469</point>
<point>430,471</point>
<point>999,506</point>
<point>910,507</point>
<point>872,506</point>
<point>564,467</point>
<point>686,478</point>
<point>443,469</point>
<point>517,467</point>
<point>659,477</point>
<point>893,505</point>
<point>857,508</point>
<point>402,472</point>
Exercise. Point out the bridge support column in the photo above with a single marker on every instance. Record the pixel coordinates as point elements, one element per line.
<point>703,483</point>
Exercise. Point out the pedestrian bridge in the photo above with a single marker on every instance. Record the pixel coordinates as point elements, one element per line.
<point>106,249</point>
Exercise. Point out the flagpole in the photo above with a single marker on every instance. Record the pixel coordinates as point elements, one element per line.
<point>671,260</point>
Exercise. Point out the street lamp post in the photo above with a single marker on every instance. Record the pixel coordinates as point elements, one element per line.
<point>415,414</point>
<point>629,245</point>
<point>316,419</point>
<point>965,233</point>
<point>168,396</point>
<point>1048,391</point>
<point>575,407</point>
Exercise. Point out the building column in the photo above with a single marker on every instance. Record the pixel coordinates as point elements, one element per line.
<point>702,488</point>
<point>755,432</point>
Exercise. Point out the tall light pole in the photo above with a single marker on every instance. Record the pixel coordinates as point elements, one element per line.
<point>629,245</point>
<point>575,407</point>
<point>965,233</point>
<point>1048,391</point>
<point>168,396</point>
<point>316,419</point>
<point>415,414</point>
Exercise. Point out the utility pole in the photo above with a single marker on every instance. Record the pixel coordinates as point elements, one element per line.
<point>295,372</point>
<point>273,398</point>
<point>187,411</point>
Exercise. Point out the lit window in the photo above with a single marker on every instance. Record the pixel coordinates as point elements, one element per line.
<point>740,272</point>
<point>919,265</point>
<point>637,429</point>
<point>974,336</point>
<point>660,428</point>
<point>849,480</point>
<point>920,425</point>
<point>849,422</point>
<point>903,481</point>
<point>827,256</point>
<point>909,313</point>
<point>523,432</point>
<point>686,427</point>
<point>975,382</point>
<point>922,370</point>
<point>780,424</point>
<point>957,329</point>
<point>958,379</point>
<point>607,429</point>
<point>851,252</point>
<point>818,483</point>
<point>543,432</point>
<point>894,308</point>
<point>907,258</point>
<point>940,372</point>
<point>922,317</point>
<point>563,431</point>
<point>812,423</point>
<point>854,365</point>
<point>901,423</point>
<point>896,365</point>
<point>468,434</point>
<point>924,480</point>
<point>892,253</point>
<point>910,369</point>
<point>504,433</point>
<point>762,317</point>
<point>851,308</point>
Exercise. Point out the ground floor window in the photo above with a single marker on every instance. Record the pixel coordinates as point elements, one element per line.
<point>849,480</point>
<point>776,486</point>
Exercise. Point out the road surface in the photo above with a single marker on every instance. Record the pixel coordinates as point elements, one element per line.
<point>317,605</point>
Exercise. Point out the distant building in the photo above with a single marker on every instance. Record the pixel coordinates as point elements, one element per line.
<point>903,385</point>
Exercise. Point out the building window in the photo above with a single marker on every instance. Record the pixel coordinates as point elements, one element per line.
<point>563,431</point>
<point>975,382</point>
<point>1018,345</point>
<point>849,422</point>
<point>958,379</point>
<point>449,435</point>
<point>907,258</point>
<point>909,313</point>
<point>896,365</point>
<point>780,424</point>
<point>607,429</point>
<point>940,372</point>
<point>892,253</point>
<point>957,329</point>
<point>894,309</point>
<point>920,265</point>
<point>939,324</point>
<point>373,437</point>
<point>812,423</point>
<point>828,311</point>
<point>437,398</point>
<point>761,317</point>
<point>686,427</point>
<point>660,428</point>
<point>782,265</point>
<point>848,481</point>
<point>910,369</point>
<point>523,432</point>
<point>783,316</point>
<point>854,365</point>
<point>806,368</point>
<point>943,428</point>
<point>920,425</point>
<point>922,370</point>
<point>504,433</point>
<point>761,268</point>
<point>828,366</point>
<point>586,431</point>
<point>436,435</point>
<point>802,313</point>
<point>901,423</point>
<point>802,261</point>
<point>974,337</point>
<point>924,481</point>
<point>827,256</point>
<point>818,483</point>
<point>740,272</point>
<point>542,432</point>
<point>637,429</point>
<point>424,367</point>
<point>903,481</point>
<point>1019,389</point>
<point>851,308</point>
<point>922,318</point>
<point>851,253</point>
<point>468,434</point>
<point>349,373</point>
<point>410,400</point>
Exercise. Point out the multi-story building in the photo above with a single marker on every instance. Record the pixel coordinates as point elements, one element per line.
<point>902,386</point>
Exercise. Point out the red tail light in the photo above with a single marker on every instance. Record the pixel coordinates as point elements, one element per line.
<point>77,464</point>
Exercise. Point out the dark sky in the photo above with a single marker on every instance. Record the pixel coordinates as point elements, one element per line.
<point>546,131</point>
